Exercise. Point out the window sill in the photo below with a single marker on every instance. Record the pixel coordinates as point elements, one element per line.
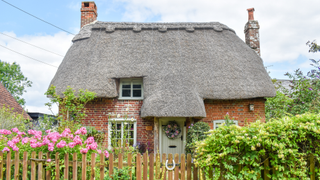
<point>124,98</point>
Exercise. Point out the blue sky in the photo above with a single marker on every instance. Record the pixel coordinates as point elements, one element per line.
<point>285,27</point>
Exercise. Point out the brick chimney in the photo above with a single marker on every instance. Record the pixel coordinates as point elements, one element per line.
<point>251,31</point>
<point>88,12</point>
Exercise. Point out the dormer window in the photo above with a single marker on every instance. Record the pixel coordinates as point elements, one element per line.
<point>131,89</point>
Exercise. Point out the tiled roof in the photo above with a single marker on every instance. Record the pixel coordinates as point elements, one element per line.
<point>7,99</point>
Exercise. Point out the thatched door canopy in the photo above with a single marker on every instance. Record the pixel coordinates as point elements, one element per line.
<point>180,63</point>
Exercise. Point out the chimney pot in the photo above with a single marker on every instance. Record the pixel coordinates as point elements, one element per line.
<point>250,14</point>
<point>251,31</point>
<point>88,12</point>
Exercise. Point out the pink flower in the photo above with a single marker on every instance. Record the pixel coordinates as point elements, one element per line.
<point>169,126</point>
<point>33,145</point>
<point>16,130</point>
<point>48,131</point>
<point>99,151</point>
<point>66,132</point>
<point>61,144</point>
<point>72,144</point>
<point>71,136</point>
<point>33,140</point>
<point>77,140</point>
<point>25,140</point>
<point>84,151</point>
<point>106,153</point>
<point>90,140</point>
<point>48,160</point>
<point>46,141</point>
<point>5,132</point>
<point>15,148</point>
<point>15,140</point>
<point>78,132</point>
<point>93,146</point>
<point>83,130</point>
<point>5,149</point>
<point>50,148</point>
<point>10,144</point>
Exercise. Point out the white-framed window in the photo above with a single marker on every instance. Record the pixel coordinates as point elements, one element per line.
<point>121,132</point>
<point>218,123</point>
<point>131,89</point>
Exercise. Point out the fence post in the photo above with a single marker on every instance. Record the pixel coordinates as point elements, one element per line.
<point>57,159</point>
<point>120,160</point>
<point>130,164</point>
<point>75,166</point>
<point>312,166</point>
<point>176,169</point>
<point>8,169</point>
<point>33,166</point>
<point>24,165</point>
<point>84,167</point>
<point>93,164</point>
<point>170,173</point>
<point>110,165</point>
<point>183,166</point>
<point>157,166</point>
<point>40,166</point>
<point>101,166</point>
<point>195,172</point>
<point>151,166</point>
<point>164,169</point>
<point>145,166</point>
<point>66,166</point>
<point>16,165</point>
<point>48,171</point>
<point>138,164</point>
<point>188,166</point>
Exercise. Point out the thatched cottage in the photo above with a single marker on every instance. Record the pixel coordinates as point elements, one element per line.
<point>158,73</point>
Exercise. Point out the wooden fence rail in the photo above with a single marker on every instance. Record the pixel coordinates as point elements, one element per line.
<point>143,167</point>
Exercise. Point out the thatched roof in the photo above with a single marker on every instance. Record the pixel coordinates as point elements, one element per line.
<point>181,64</point>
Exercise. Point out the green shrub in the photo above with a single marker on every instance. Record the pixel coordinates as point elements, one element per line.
<point>10,119</point>
<point>195,133</point>
<point>287,143</point>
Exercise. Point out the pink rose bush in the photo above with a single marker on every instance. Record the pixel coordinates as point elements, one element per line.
<point>52,142</point>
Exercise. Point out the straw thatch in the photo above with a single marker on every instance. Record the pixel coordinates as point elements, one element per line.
<point>180,63</point>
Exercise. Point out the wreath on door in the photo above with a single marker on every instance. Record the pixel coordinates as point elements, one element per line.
<point>172,130</point>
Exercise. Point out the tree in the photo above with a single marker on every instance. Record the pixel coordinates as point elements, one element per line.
<point>303,94</point>
<point>13,80</point>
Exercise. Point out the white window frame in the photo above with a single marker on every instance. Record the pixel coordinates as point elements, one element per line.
<point>122,120</point>
<point>216,122</point>
<point>131,81</point>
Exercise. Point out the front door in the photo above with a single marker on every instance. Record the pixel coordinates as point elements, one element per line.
<point>177,144</point>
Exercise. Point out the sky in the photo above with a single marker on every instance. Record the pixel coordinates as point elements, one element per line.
<point>285,28</point>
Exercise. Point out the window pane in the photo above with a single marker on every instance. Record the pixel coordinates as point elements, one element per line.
<point>126,86</point>
<point>126,93</point>
<point>118,126</point>
<point>137,86</point>
<point>137,93</point>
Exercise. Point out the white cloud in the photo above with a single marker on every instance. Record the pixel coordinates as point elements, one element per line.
<point>285,25</point>
<point>40,74</point>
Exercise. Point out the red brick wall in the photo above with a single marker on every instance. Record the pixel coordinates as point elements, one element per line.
<point>237,109</point>
<point>88,14</point>
<point>98,113</point>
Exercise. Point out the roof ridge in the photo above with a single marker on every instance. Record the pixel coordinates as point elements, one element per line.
<point>163,27</point>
